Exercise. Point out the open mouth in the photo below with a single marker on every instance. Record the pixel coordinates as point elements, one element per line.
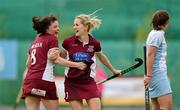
<point>57,32</point>
<point>77,31</point>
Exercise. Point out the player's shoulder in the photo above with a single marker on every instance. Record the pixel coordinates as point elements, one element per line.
<point>157,33</point>
<point>70,38</point>
<point>45,37</point>
<point>94,40</point>
<point>51,37</point>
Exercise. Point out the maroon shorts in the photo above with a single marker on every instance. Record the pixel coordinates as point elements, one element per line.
<point>39,88</point>
<point>77,89</point>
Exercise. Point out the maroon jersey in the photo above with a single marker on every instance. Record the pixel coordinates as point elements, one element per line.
<point>79,84</point>
<point>41,67</point>
<point>78,52</point>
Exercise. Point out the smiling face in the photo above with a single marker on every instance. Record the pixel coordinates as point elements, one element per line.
<point>53,29</point>
<point>79,28</point>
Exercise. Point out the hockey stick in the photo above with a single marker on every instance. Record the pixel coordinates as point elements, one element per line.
<point>147,101</point>
<point>18,98</point>
<point>140,62</point>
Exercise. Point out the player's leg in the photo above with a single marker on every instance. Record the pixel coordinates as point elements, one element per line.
<point>76,104</point>
<point>155,104</point>
<point>50,104</point>
<point>32,103</point>
<point>165,102</point>
<point>94,104</point>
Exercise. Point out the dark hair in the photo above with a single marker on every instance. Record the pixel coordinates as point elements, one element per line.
<point>160,18</point>
<point>42,24</point>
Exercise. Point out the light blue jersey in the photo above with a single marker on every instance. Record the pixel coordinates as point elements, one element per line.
<point>159,84</point>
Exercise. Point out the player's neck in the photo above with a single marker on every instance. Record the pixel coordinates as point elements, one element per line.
<point>84,38</point>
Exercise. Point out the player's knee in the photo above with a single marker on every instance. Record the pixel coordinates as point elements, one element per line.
<point>165,108</point>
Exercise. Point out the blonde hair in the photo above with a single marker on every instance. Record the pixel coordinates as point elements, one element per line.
<point>89,20</point>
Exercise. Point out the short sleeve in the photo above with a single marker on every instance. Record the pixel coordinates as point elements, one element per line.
<point>155,40</point>
<point>65,44</point>
<point>97,46</point>
<point>53,42</point>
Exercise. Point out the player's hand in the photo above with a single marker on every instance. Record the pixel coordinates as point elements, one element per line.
<point>117,72</point>
<point>147,80</point>
<point>81,66</point>
<point>53,54</point>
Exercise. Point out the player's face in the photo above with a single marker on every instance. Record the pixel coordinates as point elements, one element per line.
<point>54,28</point>
<point>167,24</point>
<point>79,28</point>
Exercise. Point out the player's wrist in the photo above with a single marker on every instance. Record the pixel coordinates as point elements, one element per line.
<point>113,70</point>
<point>150,76</point>
<point>75,64</point>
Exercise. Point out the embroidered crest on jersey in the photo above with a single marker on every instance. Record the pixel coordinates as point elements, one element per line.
<point>90,48</point>
<point>81,56</point>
